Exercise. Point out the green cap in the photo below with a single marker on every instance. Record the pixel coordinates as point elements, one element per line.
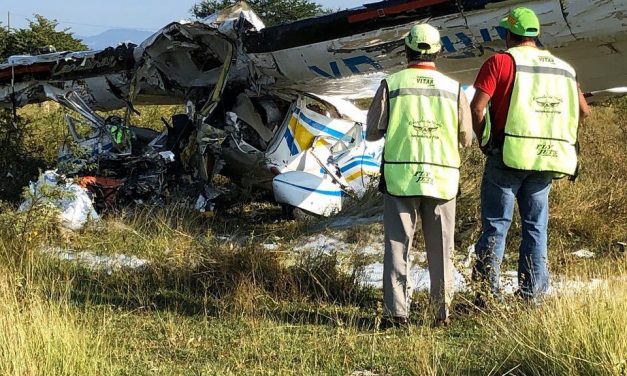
<point>424,38</point>
<point>522,21</point>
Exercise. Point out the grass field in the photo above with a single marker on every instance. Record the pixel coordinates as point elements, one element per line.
<point>213,301</point>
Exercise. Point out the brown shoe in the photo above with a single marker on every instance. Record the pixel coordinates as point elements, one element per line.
<point>437,323</point>
<point>394,322</point>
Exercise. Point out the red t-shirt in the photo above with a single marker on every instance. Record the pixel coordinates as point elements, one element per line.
<point>496,78</point>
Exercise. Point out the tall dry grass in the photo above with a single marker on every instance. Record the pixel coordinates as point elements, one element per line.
<point>592,212</point>
<point>577,333</point>
<point>41,336</point>
<point>589,213</point>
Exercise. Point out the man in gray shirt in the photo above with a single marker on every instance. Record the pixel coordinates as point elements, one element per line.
<point>424,117</point>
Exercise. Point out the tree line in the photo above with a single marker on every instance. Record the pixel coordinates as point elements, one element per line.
<point>40,33</point>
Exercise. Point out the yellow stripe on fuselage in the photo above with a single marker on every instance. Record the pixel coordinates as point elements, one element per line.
<point>302,136</point>
<point>353,176</point>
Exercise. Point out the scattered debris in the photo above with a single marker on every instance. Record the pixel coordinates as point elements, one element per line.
<point>558,284</point>
<point>72,200</point>
<point>470,256</point>
<point>117,162</point>
<point>201,203</point>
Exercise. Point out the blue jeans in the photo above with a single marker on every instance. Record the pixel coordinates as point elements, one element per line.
<point>500,187</point>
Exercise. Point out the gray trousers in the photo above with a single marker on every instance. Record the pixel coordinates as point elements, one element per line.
<point>438,225</point>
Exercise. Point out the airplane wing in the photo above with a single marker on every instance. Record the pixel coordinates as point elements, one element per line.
<point>345,53</point>
<point>23,78</point>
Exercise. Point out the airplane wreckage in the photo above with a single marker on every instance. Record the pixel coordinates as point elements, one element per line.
<point>263,103</point>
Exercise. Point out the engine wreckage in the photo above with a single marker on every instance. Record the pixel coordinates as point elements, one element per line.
<point>262,104</point>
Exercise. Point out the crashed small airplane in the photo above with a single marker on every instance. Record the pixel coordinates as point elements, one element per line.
<point>263,103</point>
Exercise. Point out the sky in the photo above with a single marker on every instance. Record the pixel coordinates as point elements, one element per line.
<point>91,17</point>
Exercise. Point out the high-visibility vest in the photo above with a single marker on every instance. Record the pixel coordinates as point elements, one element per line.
<point>421,156</point>
<point>543,118</point>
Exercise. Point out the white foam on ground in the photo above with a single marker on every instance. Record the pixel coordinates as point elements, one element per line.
<point>419,278</point>
<point>323,244</point>
<point>583,253</point>
<point>95,262</point>
<point>372,275</point>
<point>270,246</point>
<point>352,221</point>
<point>557,284</point>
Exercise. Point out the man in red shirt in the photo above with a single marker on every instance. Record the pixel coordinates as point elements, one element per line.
<point>503,185</point>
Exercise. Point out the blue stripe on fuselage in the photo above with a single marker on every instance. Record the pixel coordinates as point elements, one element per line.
<point>357,163</point>
<point>322,128</point>
<point>320,191</point>
<point>290,142</point>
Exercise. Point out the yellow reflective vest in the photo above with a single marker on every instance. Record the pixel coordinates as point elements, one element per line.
<point>421,156</point>
<point>543,119</point>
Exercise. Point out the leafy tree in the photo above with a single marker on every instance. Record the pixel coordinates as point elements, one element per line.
<point>3,41</point>
<point>273,12</point>
<point>19,161</point>
<point>40,33</point>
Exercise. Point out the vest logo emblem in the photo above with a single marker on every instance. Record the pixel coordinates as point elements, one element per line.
<point>424,177</point>
<point>546,59</point>
<point>426,128</point>
<point>546,150</point>
<point>427,81</point>
<point>548,104</point>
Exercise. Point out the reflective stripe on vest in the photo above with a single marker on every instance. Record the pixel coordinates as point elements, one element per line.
<point>487,129</point>
<point>543,117</point>
<point>421,156</point>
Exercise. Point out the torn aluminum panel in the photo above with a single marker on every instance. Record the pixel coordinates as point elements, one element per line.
<point>181,60</point>
<point>245,110</point>
<point>74,102</point>
<point>62,66</point>
<point>231,20</point>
